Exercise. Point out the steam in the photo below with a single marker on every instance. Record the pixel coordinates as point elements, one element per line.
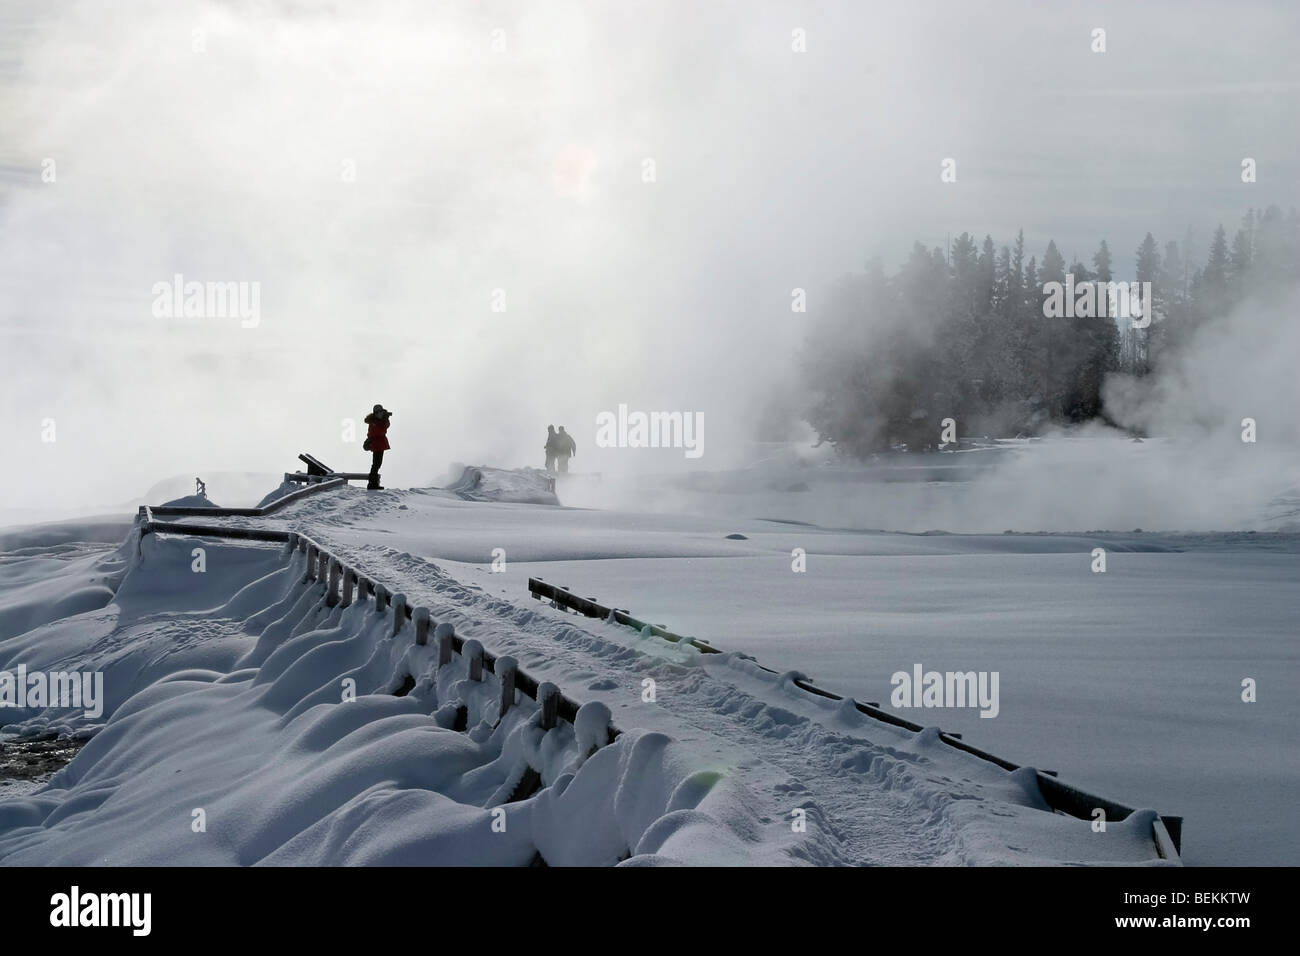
<point>445,208</point>
<point>1195,473</point>
<point>388,171</point>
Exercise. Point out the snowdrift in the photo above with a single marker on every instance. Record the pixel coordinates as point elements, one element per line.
<point>234,489</point>
<point>106,529</point>
<point>245,722</point>
<point>284,488</point>
<point>191,501</point>
<point>521,485</point>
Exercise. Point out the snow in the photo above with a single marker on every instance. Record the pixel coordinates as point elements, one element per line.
<point>234,489</point>
<point>1120,681</point>
<point>227,704</point>
<point>591,726</point>
<point>97,529</point>
<point>284,488</point>
<point>54,582</point>
<point>191,501</point>
<point>226,690</point>
<point>252,732</point>
<point>524,485</point>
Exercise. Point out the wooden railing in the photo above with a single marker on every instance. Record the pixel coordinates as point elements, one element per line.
<point>344,586</point>
<point>149,512</point>
<point>1065,797</point>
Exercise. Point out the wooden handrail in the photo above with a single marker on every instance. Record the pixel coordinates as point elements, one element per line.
<point>1058,794</point>
<point>526,684</point>
<point>274,506</point>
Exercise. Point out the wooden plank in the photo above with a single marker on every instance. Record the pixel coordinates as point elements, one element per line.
<point>314,465</point>
<point>565,598</point>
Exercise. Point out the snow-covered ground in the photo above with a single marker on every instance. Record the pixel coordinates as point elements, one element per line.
<point>1127,682</point>
<point>223,714</point>
<point>222,697</point>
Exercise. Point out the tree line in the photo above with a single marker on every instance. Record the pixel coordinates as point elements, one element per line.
<point>964,335</point>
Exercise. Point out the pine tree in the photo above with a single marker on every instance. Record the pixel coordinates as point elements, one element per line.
<point>1053,267</point>
<point>1004,372</point>
<point>1030,321</point>
<point>1092,350</point>
<point>1053,334</point>
<point>1214,277</point>
<point>1239,259</point>
<point>1216,268</point>
<point>1171,279</point>
<point>1148,270</point>
<point>987,269</point>
<point>1101,260</point>
<point>1001,281</point>
<point>1015,277</point>
<point>1171,305</point>
<point>1148,260</point>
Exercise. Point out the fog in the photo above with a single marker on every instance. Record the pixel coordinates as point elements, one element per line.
<point>1196,474</point>
<point>495,216</point>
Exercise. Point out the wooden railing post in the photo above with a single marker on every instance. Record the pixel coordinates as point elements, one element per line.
<point>472,651</point>
<point>349,582</point>
<point>332,594</point>
<point>443,634</point>
<point>381,598</point>
<point>422,620</point>
<point>290,545</point>
<point>597,719</point>
<point>399,611</point>
<point>548,696</point>
<point>311,563</point>
<point>506,668</point>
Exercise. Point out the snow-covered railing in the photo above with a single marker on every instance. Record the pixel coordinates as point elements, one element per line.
<point>588,606</point>
<point>178,511</point>
<point>344,586</point>
<point>302,477</point>
<point>1062,796</point>
<point>318,471</point>
<point>341,581</point>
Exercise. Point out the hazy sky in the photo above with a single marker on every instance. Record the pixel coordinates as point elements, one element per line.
<point>387,172</point>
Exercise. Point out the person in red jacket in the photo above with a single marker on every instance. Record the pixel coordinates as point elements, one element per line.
<point>377,443</point>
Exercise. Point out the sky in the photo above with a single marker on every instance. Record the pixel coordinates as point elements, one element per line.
<point>492,216</point>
